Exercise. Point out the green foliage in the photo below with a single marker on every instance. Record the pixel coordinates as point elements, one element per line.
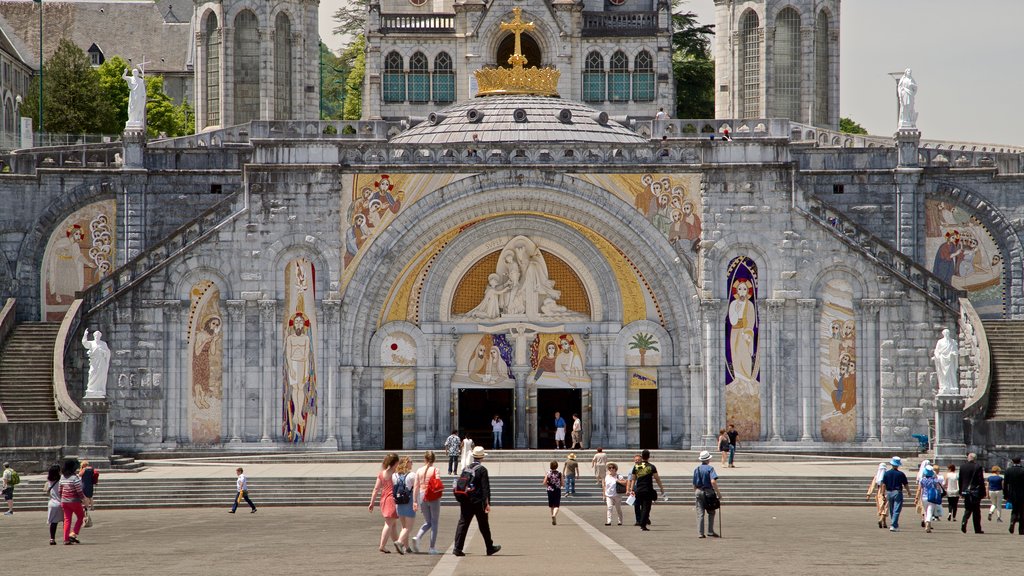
<point>850,127</point>
<point>115,92</point>
<point>644,341</point>
<point>72,100</point>
<point>332,94</point>
<point>353,109</point>
<point>162,116</point>
<point>351,18</point>
<point>693,68</point>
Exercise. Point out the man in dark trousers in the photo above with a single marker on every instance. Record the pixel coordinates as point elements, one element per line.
<point>1013,489</point>
<point>641,485</point>
<point>478,506</point>
<point>733,436</point>
<point>973,490</point>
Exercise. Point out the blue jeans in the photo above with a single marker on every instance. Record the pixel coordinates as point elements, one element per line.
<point>570,485</point>
<point>895,498</point>
<point>732,453</point>
<point>497,440</point>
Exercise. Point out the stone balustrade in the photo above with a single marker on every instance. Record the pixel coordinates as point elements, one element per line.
<point>619,23</point>
<point>87,156</point>
<point>426,23</point>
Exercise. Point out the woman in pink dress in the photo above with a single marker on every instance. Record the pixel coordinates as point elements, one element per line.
<point>387,502</point>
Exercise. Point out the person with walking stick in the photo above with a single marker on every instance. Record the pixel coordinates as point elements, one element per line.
<point>706,494</point>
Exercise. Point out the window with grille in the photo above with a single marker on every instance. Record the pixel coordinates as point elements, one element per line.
<point>419,79</point>
<point>444,79</point>
<point>394,78</point>
<point>246,68</point>
<point>618,77</point>
<point>593,78</point>
<point>750,102</point>
<point>643,77</point>
<point>283,68</point>
<point>821,70</point>
<point>787,66</point>
<point>212,72</point>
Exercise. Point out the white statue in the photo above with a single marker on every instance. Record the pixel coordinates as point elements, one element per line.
<point>947,365</point>
<point>99,361</point>
<point>136,99</point>
<point>906,90</point>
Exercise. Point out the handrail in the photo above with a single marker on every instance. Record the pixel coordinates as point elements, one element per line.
<point>6,325</point>
<point>978,402</point>
<point>66,408</point>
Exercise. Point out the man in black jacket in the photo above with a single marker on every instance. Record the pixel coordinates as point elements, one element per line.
<point>478,506</point>
<point>973,489</point>
<point>1013,489</point>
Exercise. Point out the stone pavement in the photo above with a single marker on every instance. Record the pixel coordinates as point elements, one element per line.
<point>767,541</point>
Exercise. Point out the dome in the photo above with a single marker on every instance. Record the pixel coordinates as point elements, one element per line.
<point>518,118</point>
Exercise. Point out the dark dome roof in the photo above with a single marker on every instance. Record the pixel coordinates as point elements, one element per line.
<point>507,118</point>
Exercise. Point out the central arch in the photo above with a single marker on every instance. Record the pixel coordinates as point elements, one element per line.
<point>530,49</point>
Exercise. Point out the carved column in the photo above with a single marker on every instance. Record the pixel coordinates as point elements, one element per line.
<point>425,421</point>
<point>714,411</point>
<point>869,369</point>
<point>774,307</point>
<point>234,370</point>
<point>345,409</point>
<point>807,336</point>
<point>357,382</point>
<point>269,375</point>
<point>227,76</point>
<point>331,331</point>
<point>598,407</point>
<point>199,78</point>
<point>522,374</point>
<point>695,378</point>
<point>176,382</point>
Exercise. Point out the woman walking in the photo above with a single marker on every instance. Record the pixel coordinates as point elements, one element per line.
<point>919,503</point>
<point>599,464</point>
<point>723,445</point>
<point>71,500</point>
<point>387,502</point>
<point>995,494</point>
<point>54,512</point>
<point>553,483</point>
<point>427,502</point>
<point>952,491</point>
<point>614,488</point>
<point>877,489</point>
<point>929,490</point>
<point>405,489</point>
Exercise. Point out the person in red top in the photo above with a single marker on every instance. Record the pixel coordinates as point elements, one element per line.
<point>388,509</point>
<point>71,496</point>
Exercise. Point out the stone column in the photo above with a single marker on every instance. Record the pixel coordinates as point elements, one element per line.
<point>331,331</point>
<point>598,407</point>
<point>714,410</point>
<point>618,421</point>
<point>424,400</point>
<point>909,203</point>
<point>869,369</point>
<point>269,375</point>
<point>176,381</point>
<point>522,374</point>
<point>94,444</point>
<point>266,39</point>
<point>234,371</point>
<point>774,348</point>
<point>949,427</point>
<point>199,78</point>
<point>345,408</point>
<point>695,378</point>
<point>805,368</point>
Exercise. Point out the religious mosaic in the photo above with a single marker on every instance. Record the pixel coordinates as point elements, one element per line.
<point>963,252</point>
<point>398,357</point>
<point>837,373</point>
<point>643,355</point>
<point>742,356</point>
<point>299,393</point>
<point>81,250</point>
<point>558,361</point>
<point>484,360</point>
<point>205,339</point>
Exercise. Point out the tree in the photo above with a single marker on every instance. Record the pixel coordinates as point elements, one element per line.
<point>162,116</point>
<point>332,92</point>
<point>353,109</point>
<point>72,99</point>
<point>848,126</point>
<point>643,343</point>
<point>692,66</point>
<point>351,18</point>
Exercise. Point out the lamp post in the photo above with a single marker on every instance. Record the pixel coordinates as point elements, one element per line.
<point>40,64</point>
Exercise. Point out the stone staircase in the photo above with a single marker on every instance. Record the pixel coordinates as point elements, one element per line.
<point>26,373</point>
<point>1005,338</point>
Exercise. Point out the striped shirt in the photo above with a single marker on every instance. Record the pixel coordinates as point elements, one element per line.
<point>71,489</point>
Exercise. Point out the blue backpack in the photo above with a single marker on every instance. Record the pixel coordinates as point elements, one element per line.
<point>401,491</point>
<point>933,491</point>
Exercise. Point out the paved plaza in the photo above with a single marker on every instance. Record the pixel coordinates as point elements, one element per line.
<point>763,540</point>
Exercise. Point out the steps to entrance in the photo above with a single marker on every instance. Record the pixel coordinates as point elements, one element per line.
<point>1006,399</point>
<point>26,373</point>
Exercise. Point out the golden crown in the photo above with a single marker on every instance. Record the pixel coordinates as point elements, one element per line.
<point>517,79</point>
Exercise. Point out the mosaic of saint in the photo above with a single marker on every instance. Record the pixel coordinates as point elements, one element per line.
<point>837,373</point>
<point>206,369</point>
<point>963,253</point>
<point>742,357</point>
<point>484,360</point>
<point>81,250</point>
<point>299,329</point>
<point>558,361</point>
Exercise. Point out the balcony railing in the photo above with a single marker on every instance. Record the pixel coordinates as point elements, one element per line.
<point>619,23</point>
<point>417,23</point>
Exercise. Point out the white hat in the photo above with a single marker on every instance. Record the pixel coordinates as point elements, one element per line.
<point>705,456</point>
<point>478,452</point>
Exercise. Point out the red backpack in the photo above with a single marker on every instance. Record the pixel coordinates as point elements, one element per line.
<point>435,488</point>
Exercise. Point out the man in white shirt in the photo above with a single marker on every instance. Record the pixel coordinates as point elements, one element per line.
<point>496,427</point>
<point>577,433</point>
<point>242,484</point>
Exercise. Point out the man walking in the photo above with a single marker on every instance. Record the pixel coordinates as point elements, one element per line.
<point>733,435</point>
<point>972,488</point>
<point>705,486</point>
<point>895,482</point>
<point>559,431</point>
<point>8,488</point>
<point>496,427</point>
<point>641,485</point>
<point>242,484</point>
<point>1013,489</point>
<point>451,448</point>
<point>477,505</point>
<point>577,433</point>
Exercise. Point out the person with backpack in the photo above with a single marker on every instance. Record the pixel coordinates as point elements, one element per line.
<point>614,490</point>
<point>706,495</point>
<point>930,488</point>
<point>10,480</point>
<point>404,486</point>
<point>473,492</point>
<point>552,481</point>
<point>429,490</point>
<point>641,485</point>
<point>386,487</point>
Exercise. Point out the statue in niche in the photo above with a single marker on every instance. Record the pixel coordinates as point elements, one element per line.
<point>947,364</point>
<point>99,362</point>
<point>906,90</point>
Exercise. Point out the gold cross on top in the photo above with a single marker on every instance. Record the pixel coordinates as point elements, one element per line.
<point>517,26</point>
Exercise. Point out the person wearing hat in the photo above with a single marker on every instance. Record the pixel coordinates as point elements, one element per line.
<point>930,489</point>
<point>895,482</point>
<point>478,506</point>
<point>569,470</point>
<point>705,483</point>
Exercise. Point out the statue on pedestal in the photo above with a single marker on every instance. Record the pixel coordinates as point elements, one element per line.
<point>136,100</point>
<point>906,90</point>
<point>947,365</point>
<point>99,361</point>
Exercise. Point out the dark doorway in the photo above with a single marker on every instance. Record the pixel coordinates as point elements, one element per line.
<point>393,419</point>
<point>568,401</point>
<point>477,407</point>
<point>648,419</point>
<point>529,46</point>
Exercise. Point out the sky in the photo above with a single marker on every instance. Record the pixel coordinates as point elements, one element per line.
<point>961,52</point>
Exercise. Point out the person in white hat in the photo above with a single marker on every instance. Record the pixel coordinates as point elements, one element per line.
<point>478,506</point>
<point>706,494</point>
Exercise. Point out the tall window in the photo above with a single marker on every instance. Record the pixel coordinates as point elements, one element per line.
<point>212,71</point>
<point>443,79</point>
<point>283,68</point>
<point>419,78</point>
<point>394,78</point>
<point>822,80</point>
<point>593,78</point>
<point>618,77</point>
<point>246,68</point>
<point>750,82</point>
<point>643,77</point>
<point>787,66</point>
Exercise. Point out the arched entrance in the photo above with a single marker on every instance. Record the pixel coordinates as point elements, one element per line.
<point>531,50</point>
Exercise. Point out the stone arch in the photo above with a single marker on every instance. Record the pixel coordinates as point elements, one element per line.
<point>290,246</point>
<point>723,251</point>
<point>543,34</point>
<point>839,271</point>
<point>482,195</point>
<point>424,347</point>
<point>184,274</point>
<point>616,353</point>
